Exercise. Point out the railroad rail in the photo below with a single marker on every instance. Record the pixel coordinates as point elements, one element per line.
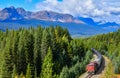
<point>89,76</point>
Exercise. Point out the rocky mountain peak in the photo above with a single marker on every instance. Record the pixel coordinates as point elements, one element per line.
<point>9,13</point>
<point>12,7</point>
<point>9,9</point>
<point>20,10</point>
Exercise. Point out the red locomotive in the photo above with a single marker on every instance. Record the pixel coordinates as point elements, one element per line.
<point>93,66</point>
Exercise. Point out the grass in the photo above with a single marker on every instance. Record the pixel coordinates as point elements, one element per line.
<point>118,75</point>
<point>108,73</point>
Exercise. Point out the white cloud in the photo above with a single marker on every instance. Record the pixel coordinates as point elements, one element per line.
<point>99,10</point>
<point>114,10</point>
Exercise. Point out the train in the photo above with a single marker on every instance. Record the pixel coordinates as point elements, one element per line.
<point>95,64</point>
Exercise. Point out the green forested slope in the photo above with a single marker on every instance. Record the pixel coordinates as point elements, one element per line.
<point>41,53</point>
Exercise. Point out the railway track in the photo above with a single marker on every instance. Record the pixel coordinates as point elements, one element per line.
<point>89,76</point>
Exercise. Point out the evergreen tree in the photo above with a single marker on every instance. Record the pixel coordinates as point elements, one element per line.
<point>15,40</point>
<point>21,59</point>
<point>35,73</point>
<point>52,38</point>
<point>7,65</point>
<point>37,50</point>
<point>28,72</point>
<point>47,65</point>
<point>14,73</point>
<point>64,73</point>
<point>28,46</point>
<point>21,75</point>
<point>45,43</point>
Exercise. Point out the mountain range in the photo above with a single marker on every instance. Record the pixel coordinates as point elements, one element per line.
<point>12,13</point>
<point>14,18</point>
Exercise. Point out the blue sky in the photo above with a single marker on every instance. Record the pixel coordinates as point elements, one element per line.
<point>99,10</point>
<point>26,4</point>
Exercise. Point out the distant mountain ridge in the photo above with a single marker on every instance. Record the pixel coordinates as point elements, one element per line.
<point>15,18</point>
<point>12,13</point>
<point>90,21</point>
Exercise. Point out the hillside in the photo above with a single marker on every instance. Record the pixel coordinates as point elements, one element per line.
<point>32,52</point>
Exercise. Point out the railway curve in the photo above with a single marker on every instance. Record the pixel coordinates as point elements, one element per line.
<point>100,71</point>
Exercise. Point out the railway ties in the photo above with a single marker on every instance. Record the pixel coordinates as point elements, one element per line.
<point>89,76</point>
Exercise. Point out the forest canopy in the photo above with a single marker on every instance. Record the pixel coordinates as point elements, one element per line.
<point>41,52</point>
<point>52,53</point>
